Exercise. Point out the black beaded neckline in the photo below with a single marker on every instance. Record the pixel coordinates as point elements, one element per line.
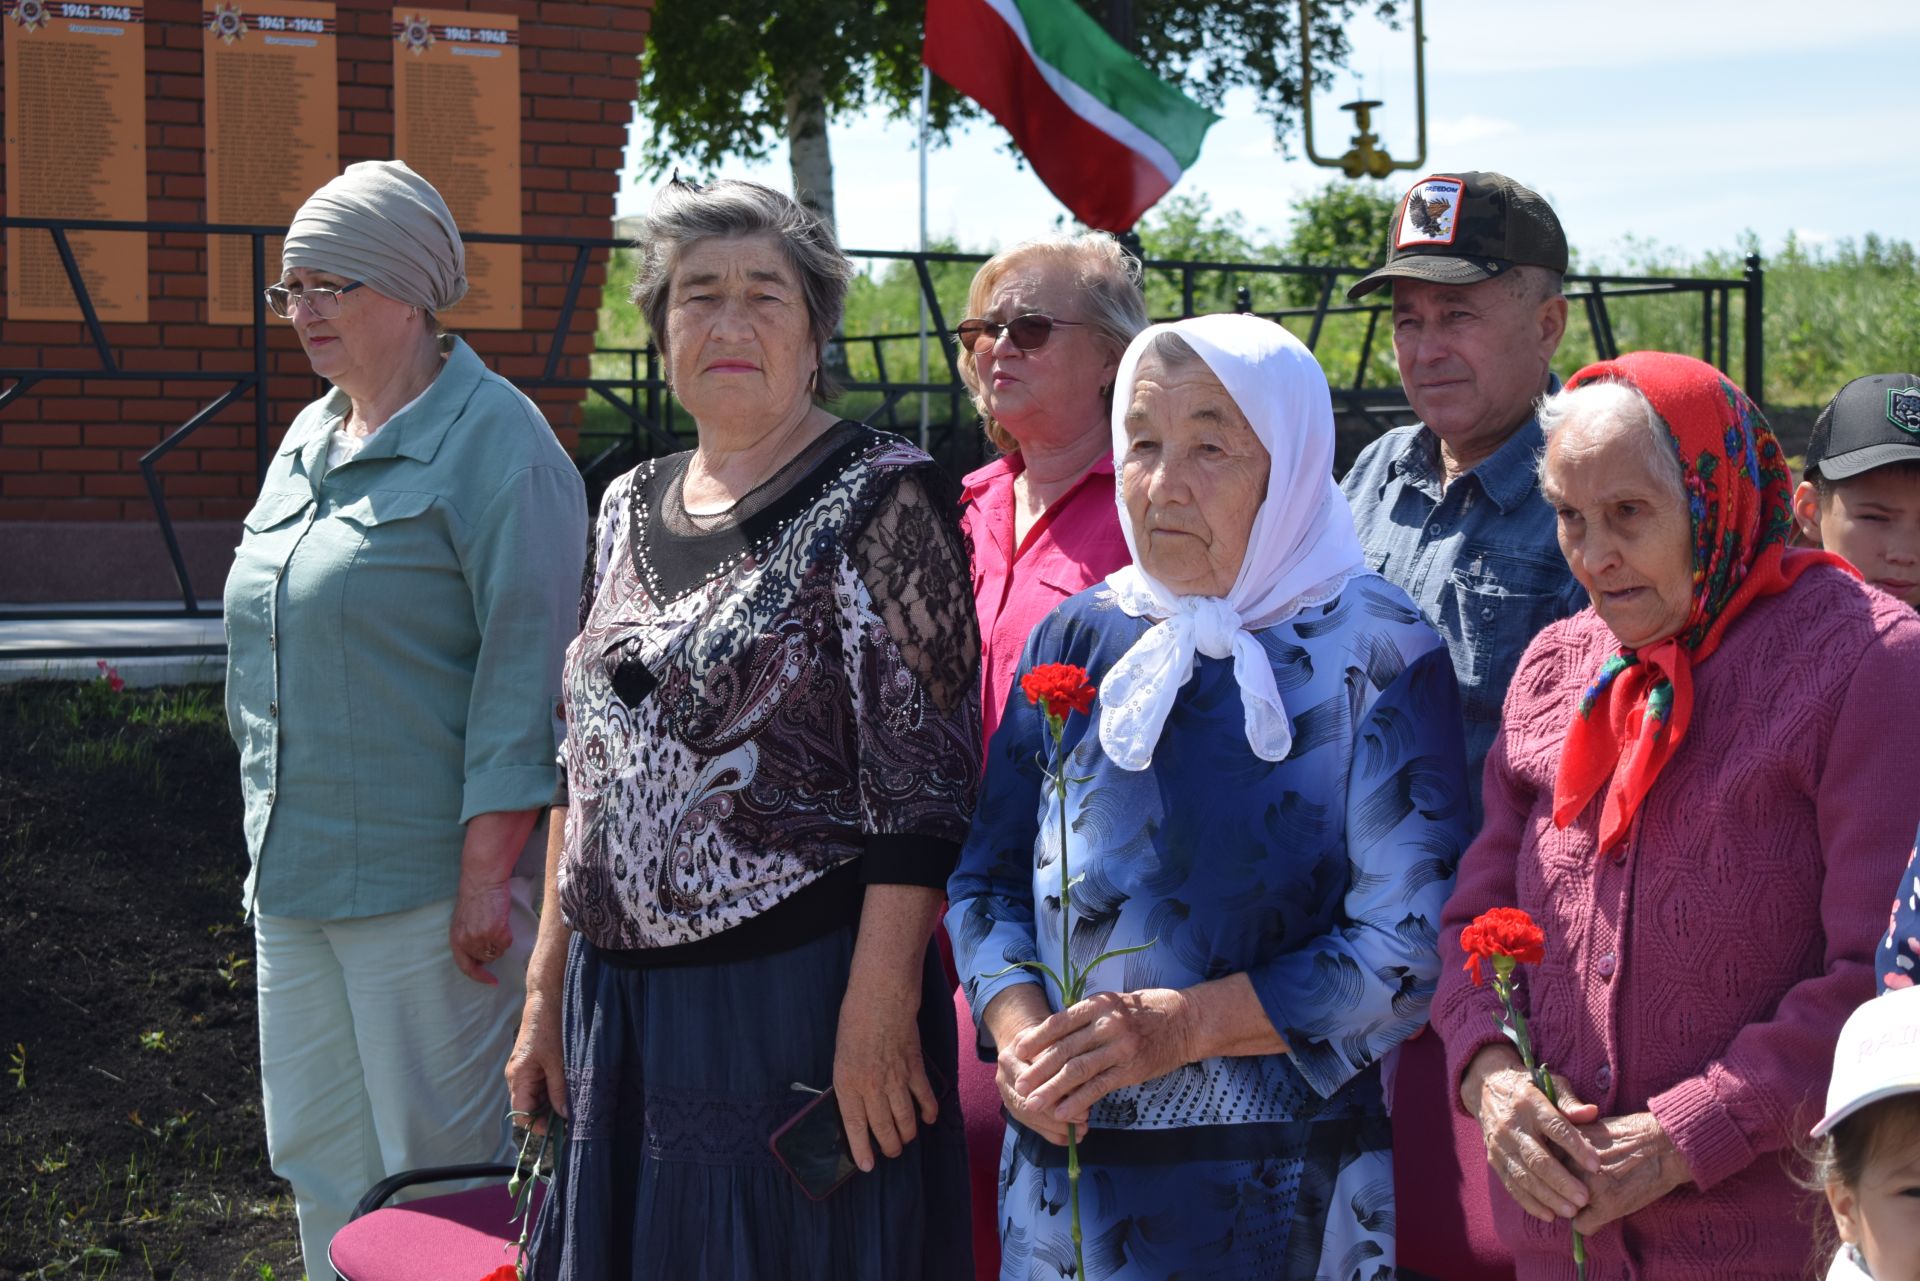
<point>670,564</point>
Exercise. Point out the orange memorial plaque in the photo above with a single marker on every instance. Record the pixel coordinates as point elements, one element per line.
<point>76,148</point>
<point>456,120</point>
<point>273,132</point>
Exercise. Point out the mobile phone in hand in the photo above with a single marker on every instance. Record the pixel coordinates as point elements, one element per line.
<point>812,1147</point>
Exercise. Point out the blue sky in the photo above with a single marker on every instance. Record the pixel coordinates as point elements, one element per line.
<point>1684,122</point>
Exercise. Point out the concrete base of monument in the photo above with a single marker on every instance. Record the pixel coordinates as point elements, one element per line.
<point>48,563</point>
<point>154,649</point>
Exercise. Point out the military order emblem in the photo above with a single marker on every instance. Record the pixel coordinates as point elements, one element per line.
<point>29,14</point>
<point>1903,408</point>
<point>227,23</point>
<point>416,34</point>
<point>1432,213</point>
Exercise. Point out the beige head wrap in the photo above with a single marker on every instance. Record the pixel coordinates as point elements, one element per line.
<point>382,223</point>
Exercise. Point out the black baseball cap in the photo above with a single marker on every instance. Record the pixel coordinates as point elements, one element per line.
<point>1463,228</point>
<point>1872,422</point>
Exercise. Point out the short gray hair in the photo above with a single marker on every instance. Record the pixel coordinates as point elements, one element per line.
<point>686,212</point>
<point>1108,279</point>
<point>1615,406</point>
<point>1534,285</point>
<point>1171,350</point>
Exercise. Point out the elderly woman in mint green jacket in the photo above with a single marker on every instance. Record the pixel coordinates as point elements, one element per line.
<point>396,617</point>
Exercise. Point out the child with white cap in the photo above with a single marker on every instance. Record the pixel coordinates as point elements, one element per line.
<point>1868,1156</point>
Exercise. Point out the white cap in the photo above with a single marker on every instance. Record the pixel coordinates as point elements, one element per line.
<point>1878,1056</point>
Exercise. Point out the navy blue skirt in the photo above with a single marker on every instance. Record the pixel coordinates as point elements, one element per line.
<point>677,1075</point>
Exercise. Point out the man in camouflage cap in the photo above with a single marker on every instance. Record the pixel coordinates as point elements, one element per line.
<point>1449,510</point>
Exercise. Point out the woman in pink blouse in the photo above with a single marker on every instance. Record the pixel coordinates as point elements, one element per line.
<point>1049,319</point>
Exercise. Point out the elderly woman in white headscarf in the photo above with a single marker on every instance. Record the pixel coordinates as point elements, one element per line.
<point>396,616</point>
<point>1268,798</point>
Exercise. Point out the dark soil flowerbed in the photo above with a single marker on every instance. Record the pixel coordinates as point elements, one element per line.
<point>131,1142</point>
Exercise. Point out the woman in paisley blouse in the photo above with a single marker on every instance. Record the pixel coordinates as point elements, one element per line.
<point>1285,858</point>
<point>772,753</point>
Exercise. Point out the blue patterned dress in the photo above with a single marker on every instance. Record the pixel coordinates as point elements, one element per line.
<point>1898,963</point>
<point>1321,877</point>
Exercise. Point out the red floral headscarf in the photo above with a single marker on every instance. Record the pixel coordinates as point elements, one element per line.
<point>1632,719</point>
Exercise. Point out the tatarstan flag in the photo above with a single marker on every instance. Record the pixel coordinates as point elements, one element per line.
<point>1105,134</point>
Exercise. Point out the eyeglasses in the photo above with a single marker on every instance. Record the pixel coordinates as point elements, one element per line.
<point>1029,332</point>
<point>323,303</point>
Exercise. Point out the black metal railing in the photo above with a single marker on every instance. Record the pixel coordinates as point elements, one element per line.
<point>647,420</point>
<point>1364,387</point>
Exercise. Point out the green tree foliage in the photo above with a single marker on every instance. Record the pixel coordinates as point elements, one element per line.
<point>1836,313</point>
<point>1833,312</point>
<point>1185,228</point>
<point>723,78</point>
<point>1344,224</point>
<point>727,78</point>
<point>1210,47</point>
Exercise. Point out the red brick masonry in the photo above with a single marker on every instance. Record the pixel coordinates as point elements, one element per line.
<point>69,449</point>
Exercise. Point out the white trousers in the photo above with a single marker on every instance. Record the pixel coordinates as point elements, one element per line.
<point>377,1055</point>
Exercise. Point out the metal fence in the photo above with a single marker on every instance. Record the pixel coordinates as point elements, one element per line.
<point>632,413</point>
<point>1362,391</point>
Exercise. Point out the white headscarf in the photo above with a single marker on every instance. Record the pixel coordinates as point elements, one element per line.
<point>1302,548</point>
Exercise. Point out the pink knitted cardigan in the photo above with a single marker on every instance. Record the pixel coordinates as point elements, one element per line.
<point>1704,970</point>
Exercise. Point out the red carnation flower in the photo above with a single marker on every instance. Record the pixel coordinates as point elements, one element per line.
<point>505,1272</point>
<point>1059,688</point>
<point>1502,932</point>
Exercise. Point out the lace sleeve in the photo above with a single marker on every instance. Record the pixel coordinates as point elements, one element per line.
<point>913,558</point>
<point>915,668</point>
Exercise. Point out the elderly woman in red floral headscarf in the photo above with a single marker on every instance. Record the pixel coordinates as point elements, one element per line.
<point>1701,786</point>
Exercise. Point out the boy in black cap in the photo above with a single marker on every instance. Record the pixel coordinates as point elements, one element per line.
<point>1860,498</point>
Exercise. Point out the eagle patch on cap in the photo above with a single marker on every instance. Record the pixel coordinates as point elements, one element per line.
<point>1431,213</point>
<point>1903,408</point>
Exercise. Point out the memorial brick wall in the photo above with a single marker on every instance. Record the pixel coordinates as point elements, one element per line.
<point>75,519</point>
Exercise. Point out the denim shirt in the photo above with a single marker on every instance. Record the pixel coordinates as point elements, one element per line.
<point>395,628</point>
<point>1480,557</point>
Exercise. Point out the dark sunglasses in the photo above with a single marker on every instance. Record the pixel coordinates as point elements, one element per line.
<point>1029,331</point>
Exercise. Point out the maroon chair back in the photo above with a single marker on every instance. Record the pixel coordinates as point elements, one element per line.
<point>461,1236</point>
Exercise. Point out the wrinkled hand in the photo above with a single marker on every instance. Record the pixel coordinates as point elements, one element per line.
<point>1011,1068</point>
<point>1109,1041</point>
<point>536,1075</point>
<point>1638,1166</point>
<point>481,931</point>
<point>878,1074</point>
<point>1530,1143</point>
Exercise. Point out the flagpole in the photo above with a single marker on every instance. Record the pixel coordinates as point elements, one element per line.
<point>926,94</point>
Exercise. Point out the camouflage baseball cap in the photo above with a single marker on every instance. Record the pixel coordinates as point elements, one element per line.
<point>1461,229</point>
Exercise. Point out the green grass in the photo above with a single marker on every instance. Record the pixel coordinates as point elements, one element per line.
<point>56,706</point>
<point>96,732</point>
